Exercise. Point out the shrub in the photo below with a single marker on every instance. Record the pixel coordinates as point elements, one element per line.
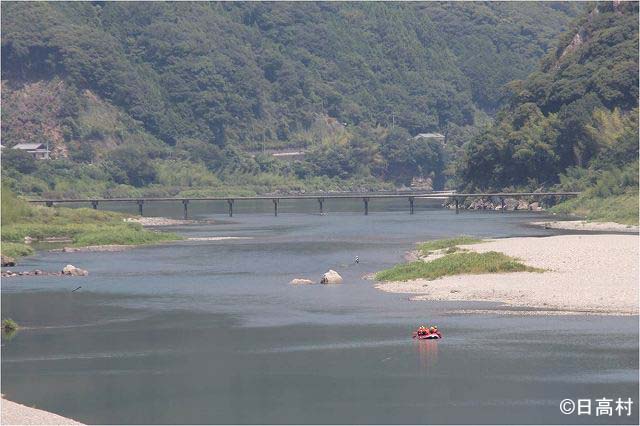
<point>9,325</point>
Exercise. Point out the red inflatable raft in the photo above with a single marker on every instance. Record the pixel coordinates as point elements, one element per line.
<point>423,333</point>
<point>431,336</point>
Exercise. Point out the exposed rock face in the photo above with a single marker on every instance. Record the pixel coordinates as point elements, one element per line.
<point>494,203</point>
<point>301,281</point>
<point>73,271</point>
<point>8,261</point>
<point>331,277</point>
<point>509,204</point>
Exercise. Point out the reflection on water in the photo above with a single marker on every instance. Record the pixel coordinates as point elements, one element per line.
<point>428,353</point>
<point>8,334</point>
<point>197,331</point>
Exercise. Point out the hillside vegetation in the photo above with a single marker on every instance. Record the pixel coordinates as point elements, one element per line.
<point>181,98</point>
<point>572,124</point>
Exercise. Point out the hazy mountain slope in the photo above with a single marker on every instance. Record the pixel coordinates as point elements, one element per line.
<point>574,111</point>
<point>230,72</point>
<point>172,97</point>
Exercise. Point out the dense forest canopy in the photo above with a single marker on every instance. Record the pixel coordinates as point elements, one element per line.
<point>189,97</point>
<point>579,109</point>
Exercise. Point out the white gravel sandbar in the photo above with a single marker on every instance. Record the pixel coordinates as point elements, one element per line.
<point>585,273</point>
<point>583,225</point>
<point>18,414</point>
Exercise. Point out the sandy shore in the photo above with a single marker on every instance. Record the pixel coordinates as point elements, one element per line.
<point>583,225</point>
<point>101,248</point>
<point>158,221</point>
<point>17,414</point>
<point>585,273</point>
<point>218,238</point>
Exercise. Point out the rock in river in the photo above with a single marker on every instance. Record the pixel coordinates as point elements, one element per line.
<point>331,277</point>
<point>72,270</point>
<point>299,281</point>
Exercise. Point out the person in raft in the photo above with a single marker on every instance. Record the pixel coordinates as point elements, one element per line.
<point>427,331</point>
<point>423,331</point>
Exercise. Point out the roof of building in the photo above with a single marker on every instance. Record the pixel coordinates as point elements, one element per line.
<point>429,135</point>
<point>29,146</point>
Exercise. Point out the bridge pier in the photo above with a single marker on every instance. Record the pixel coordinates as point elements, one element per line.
<point>321,203</point>
<point>185,203</point>
<point>457,208</point>
<point>49,203</point>
<point>366,205</point>
<point>140,203</point>
<point>275,206</point>
<point>501,205</point>
<point>411,199</point>
<point>230,202</point>
<point>94,204</point>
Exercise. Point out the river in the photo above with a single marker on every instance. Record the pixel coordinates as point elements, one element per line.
<point>211,331</point>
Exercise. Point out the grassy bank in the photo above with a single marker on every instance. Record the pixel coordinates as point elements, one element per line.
<point>607,196</point>
<point>15,249</point>
<point>83,226</point>
<point>454,264</point>
<point>446,244</point>
<point>616,208</point>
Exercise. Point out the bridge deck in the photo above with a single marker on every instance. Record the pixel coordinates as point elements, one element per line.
<point>365,197</point>
<point>440,196</point>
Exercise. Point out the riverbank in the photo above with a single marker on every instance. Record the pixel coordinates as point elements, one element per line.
<point>584,273</point>
<point>583,225</point>
<point>24,225</point>
<point>18,414</point>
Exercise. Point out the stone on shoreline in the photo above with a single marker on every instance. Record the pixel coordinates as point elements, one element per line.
<point>301,281</point>
<point>8,273</point>
<point>73,271</point>
<point>7,261</point>
<point>68,270</point>
<point>331,277</point>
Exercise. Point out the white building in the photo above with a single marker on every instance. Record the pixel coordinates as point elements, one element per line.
<point>437,136</point>
<point>38,150</point>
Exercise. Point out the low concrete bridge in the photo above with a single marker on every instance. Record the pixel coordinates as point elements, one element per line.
<point>365,197</point>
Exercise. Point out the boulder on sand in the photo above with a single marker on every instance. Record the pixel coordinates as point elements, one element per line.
<point>72,270</point>
<point>331,277</point>
<point>299,281</point>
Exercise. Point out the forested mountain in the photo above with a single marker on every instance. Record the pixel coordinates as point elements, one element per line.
<point>572,123</point>
<point>131,94</point>
<point>578,108</point>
